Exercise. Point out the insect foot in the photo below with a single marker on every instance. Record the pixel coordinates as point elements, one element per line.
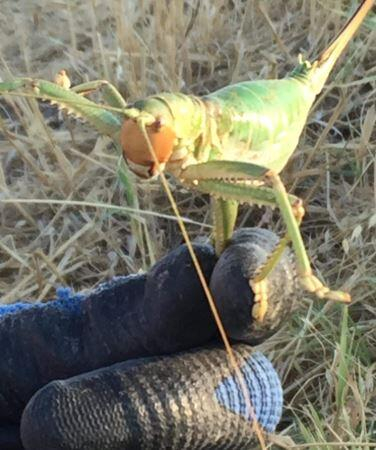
<point>312,284</point>
<point>252,311</point>
<point>298,210</point>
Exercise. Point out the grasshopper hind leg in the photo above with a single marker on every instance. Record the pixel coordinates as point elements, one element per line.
<point>224,217</point>
<point>308,281</point>
<point>216,178</point>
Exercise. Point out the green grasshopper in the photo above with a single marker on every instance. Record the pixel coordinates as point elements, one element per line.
<point>231,144</point>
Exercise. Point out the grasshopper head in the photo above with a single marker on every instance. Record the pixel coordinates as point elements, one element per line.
<point>136,149</point>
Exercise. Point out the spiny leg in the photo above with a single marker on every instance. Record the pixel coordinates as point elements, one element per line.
<point>113,98</point>
<point>309,281</point>
<point>274,257</point>
<point>110,94</point>
<point>227,195</point>
<point>104,120</point>
<point>206,177</point>
<point>260,195</point>
<point>259,281</point>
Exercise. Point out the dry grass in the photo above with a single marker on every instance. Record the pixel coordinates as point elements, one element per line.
<point>326,359</point>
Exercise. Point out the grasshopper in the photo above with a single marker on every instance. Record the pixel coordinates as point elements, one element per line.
<point>231,144</point>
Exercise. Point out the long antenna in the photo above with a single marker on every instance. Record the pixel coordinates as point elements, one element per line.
<point>231,355</point>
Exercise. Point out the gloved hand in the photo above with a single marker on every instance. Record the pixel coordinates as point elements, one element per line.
<point>163,311</point>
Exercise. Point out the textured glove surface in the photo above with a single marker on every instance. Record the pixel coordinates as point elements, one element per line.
<point>189,401</point>
<point>163,311</point>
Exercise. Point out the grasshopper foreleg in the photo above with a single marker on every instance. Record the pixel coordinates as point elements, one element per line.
<point>110,94</point>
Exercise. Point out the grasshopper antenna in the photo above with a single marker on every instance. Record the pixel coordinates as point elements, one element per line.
<point>231,356</point>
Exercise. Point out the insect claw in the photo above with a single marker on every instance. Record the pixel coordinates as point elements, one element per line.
<point>260,306</point>
<point>298,209</point>
<point>34,85</point>
<point>312,284</point>
<point>339,296</point>
<point>62,79</point>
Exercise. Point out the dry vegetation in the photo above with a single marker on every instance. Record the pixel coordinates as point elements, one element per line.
<point>47,238</point>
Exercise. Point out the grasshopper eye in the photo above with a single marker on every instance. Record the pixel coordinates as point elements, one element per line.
<point>136,150</point>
